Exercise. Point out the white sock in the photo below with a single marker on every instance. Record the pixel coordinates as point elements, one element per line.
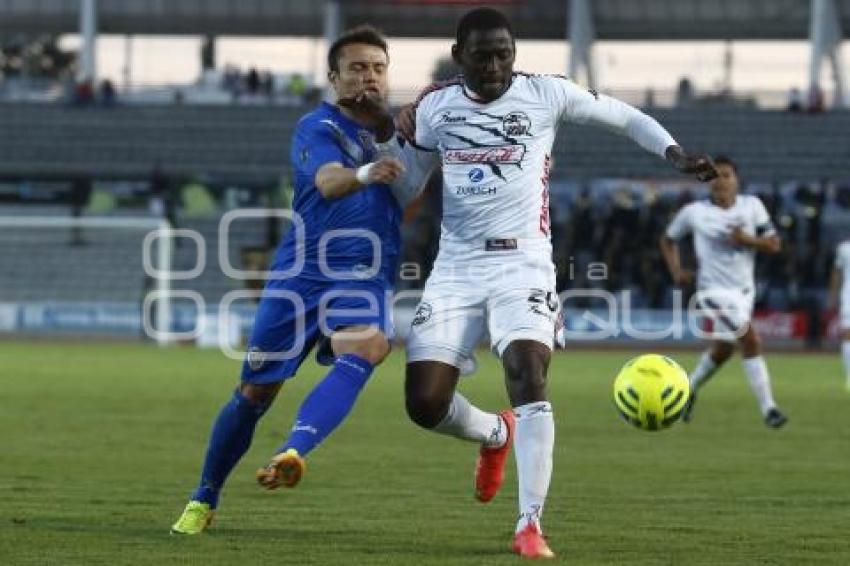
<point>533,445</point>
<point>759,379</point>
<point>845,354</point>
<point>465,420</point>
<point>704,370</point>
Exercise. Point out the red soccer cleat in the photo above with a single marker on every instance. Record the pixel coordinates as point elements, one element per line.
<point>529,543</point>
<point>490,467</point>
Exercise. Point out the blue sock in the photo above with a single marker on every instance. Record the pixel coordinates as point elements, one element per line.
<point>328,403</point>
<point>230,438</point>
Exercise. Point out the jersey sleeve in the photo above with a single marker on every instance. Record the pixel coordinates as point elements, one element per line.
<point>418,166</point>
<point>764,225</point>
<point>426,138</point>
<point>575,104</point>
<point>316,144</point>
<point>682,224</point>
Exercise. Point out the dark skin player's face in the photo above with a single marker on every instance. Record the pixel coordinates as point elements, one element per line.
<point>487,59</point>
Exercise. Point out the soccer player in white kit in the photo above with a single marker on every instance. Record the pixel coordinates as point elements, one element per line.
<point>728,230</point>
<point>493,130</point>
<point>841,280</point>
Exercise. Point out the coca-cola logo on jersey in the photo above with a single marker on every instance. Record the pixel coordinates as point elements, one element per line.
<point>490,154</point>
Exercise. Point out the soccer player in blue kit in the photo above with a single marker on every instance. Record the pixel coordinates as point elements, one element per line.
<point>336,270</point>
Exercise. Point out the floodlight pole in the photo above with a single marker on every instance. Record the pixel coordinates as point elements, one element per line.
<point>825,37</point>
<point>163,282</point>
<point>581,34</point>
<point>88,34</point>
<point>331,24</point>
<point>127,71</point>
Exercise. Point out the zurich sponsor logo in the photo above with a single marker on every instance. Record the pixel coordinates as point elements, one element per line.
<point>475,175</point>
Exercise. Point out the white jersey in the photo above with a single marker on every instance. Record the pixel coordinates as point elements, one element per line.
<point>723,264</point>
<point>842,264</point>
<point>496,156</point>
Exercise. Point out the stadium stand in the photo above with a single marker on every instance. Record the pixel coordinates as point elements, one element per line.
<point>245,142</point>
<point>251,142</point>
<point>105,265</point>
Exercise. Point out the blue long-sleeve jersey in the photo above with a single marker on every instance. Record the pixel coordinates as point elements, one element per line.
<point>323,136</point>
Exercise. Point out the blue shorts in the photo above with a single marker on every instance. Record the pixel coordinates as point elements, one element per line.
<point>296,314</point>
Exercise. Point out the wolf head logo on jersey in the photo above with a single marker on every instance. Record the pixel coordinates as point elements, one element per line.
<point>517,124</point>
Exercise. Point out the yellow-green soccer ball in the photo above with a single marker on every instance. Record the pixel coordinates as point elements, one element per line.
<point>651,391</point>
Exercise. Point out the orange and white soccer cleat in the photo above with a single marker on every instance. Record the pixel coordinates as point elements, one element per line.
<point>284,470</point>
<point>490,466</point>
<point>529,543</point>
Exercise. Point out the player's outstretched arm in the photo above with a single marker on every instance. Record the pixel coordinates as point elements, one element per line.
<point>598,109</point>
<point>405,119</point>
<point>334,180</point>
<point>418,163</point>
<point>418,166</point>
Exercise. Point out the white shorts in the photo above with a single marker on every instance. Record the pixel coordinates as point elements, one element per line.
<point>509,293</point>
<point>730,311</point>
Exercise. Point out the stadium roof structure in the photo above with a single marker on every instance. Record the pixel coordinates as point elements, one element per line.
<point>533,19</point>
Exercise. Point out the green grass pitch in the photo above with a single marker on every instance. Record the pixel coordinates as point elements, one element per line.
<point>101,444</point>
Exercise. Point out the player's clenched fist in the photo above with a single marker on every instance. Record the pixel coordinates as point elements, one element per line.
<point>370,107</point>
<point>385,170</point>
<point>699,164</point>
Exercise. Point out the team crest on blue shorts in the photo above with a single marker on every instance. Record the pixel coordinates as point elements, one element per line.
<point>256,358</point>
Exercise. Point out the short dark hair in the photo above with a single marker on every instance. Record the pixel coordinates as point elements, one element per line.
<point>726,160</point>
<point>360,34</point>
<point>481,19</point>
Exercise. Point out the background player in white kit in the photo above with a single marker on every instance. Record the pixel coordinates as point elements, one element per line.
<point>728,230</point>
<point>493,130</point>
<point>841,280</point>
